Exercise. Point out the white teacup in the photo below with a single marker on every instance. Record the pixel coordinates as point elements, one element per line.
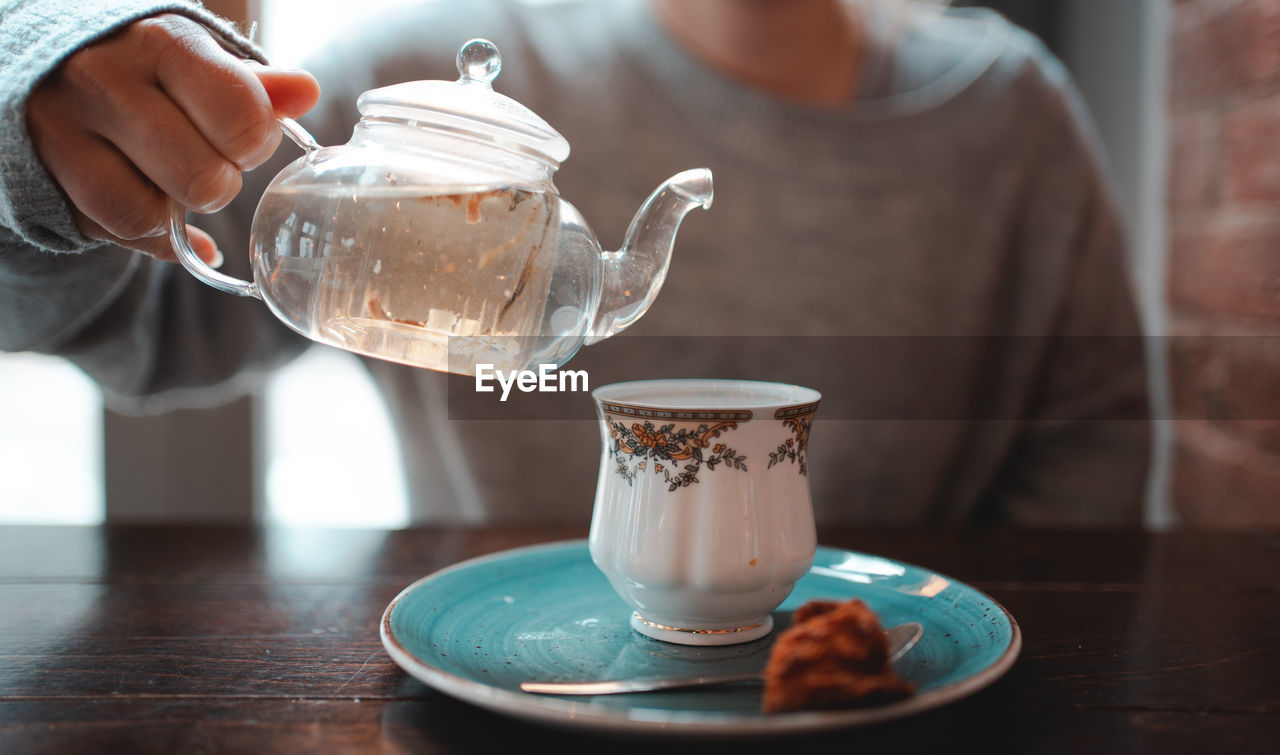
<point>703,520</point>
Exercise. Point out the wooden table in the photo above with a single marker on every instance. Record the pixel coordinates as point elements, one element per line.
<point>147,639</point>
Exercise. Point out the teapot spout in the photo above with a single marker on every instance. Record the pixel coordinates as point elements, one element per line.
<point>634,274</point>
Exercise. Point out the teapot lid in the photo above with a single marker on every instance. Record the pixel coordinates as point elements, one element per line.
<point>470,106</point>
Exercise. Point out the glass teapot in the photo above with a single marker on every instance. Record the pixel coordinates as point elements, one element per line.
<point>435,237</point>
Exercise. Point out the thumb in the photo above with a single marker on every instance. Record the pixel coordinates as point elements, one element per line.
<point>293,91</point>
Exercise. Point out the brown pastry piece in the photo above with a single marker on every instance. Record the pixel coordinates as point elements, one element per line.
<point>834,655</point>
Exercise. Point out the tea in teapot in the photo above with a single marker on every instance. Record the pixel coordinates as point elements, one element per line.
<point>433,267</point>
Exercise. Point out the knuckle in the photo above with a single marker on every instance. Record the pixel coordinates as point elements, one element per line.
<point>98,82</point>
<point>211,185</point>
<point>254,138</point>
<point>87,70</point>
<point>135,220</point>
<point>168,34</point>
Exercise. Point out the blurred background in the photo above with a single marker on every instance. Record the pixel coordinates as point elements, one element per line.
<point>1186,98</point>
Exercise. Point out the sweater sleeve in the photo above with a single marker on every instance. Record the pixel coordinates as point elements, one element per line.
<point>147,332</point>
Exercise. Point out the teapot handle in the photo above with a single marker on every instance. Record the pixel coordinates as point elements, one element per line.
<point>182,243</point>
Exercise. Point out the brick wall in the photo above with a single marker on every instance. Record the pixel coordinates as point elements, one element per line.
<point>1224,261</point>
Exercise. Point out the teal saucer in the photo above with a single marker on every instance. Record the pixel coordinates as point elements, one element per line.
<point>479,628</point>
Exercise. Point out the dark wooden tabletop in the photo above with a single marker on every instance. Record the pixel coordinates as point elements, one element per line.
<point>203,639</point>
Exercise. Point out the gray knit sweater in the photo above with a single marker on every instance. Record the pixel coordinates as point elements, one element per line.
<point>941,259</point>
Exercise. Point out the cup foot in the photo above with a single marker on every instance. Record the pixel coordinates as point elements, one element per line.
<point>687,636</point>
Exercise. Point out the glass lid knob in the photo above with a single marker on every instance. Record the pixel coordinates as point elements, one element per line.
<point>479,60</point>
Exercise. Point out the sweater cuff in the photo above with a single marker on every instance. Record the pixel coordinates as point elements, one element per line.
<point>35,37</point>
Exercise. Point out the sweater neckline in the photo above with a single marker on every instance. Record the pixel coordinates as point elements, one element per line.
<point>904,77</point>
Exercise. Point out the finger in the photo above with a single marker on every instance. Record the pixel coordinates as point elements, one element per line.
<point>205,247</point>
<point>222,98</point>
<point>169,151</point>
<point>156,246</point>
<point>160,247</point>
<point>292,91</point>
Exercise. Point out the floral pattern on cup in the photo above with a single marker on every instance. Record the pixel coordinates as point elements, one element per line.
<point>793,448</point>
<point>666,447</point>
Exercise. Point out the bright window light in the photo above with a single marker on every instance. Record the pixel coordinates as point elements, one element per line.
<point>50,443</point>
<point>294,30</point>
<point>332,459</point>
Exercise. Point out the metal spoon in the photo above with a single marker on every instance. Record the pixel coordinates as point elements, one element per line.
<point>901,639</point>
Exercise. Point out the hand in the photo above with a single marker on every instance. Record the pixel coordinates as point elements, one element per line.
<point>158,110</point>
